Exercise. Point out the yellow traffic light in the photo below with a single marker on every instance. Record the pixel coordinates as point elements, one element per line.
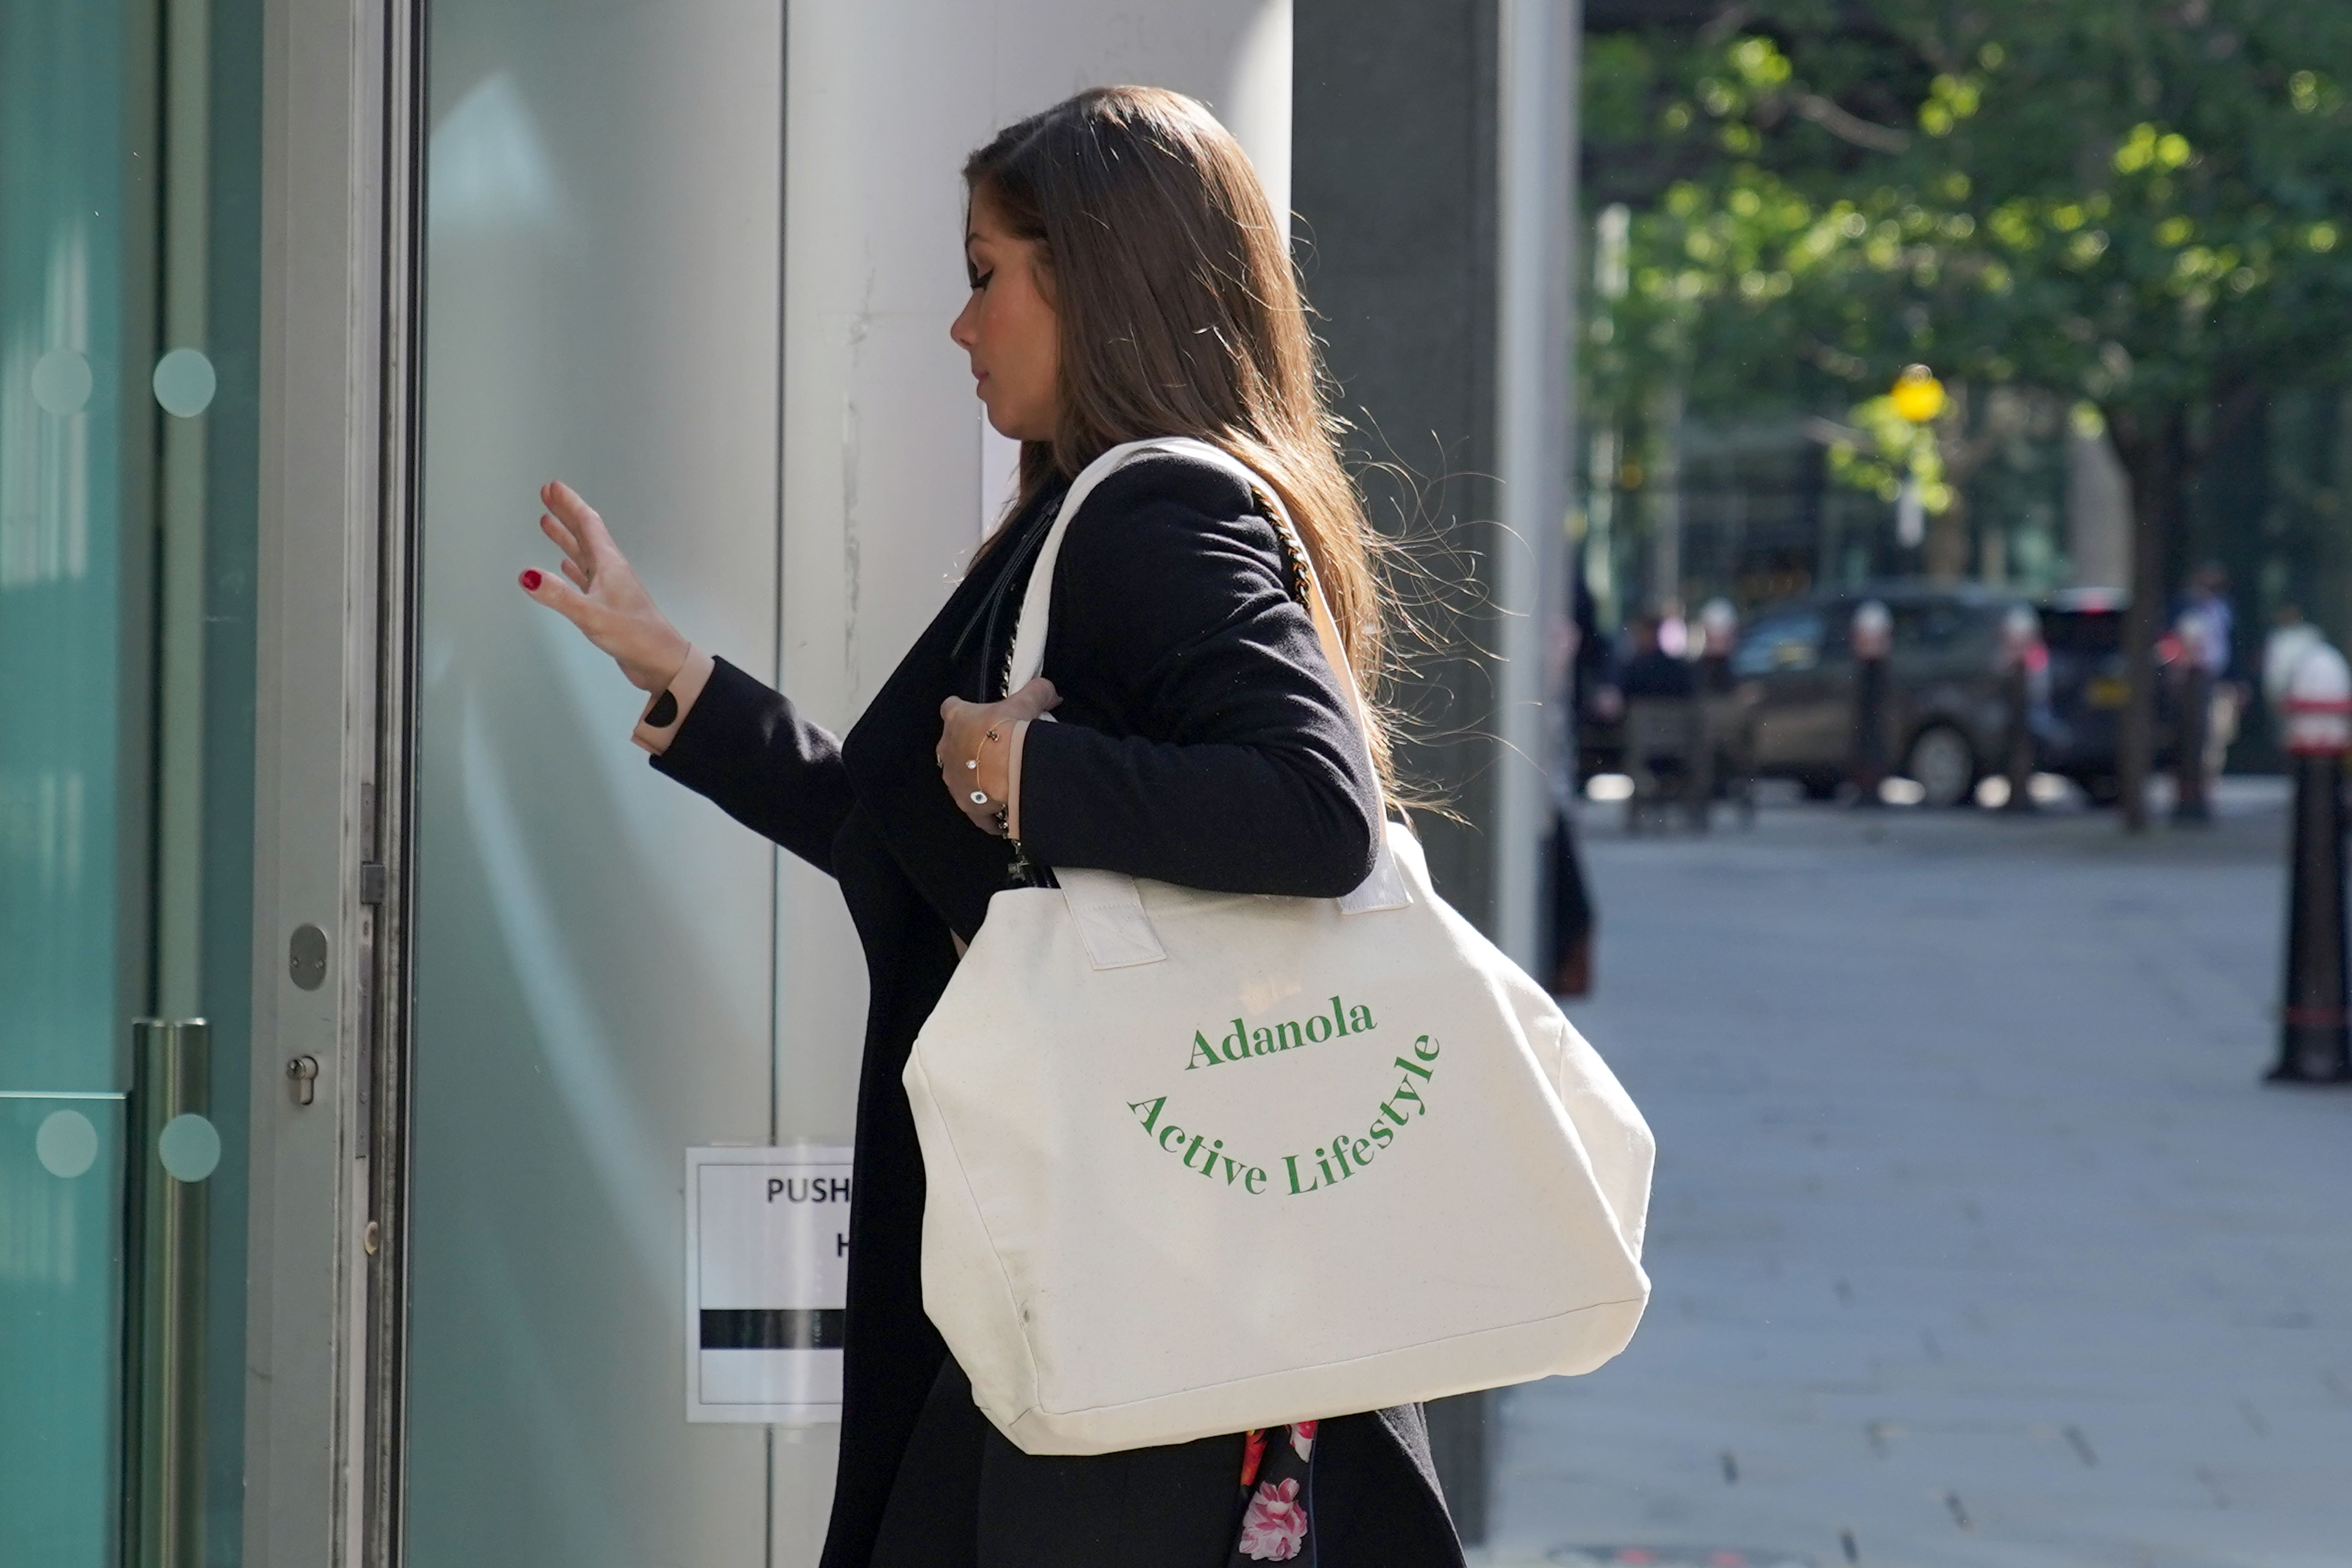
<point>1918,395</point>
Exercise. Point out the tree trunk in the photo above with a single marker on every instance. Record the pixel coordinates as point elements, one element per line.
<point>2155,452</point>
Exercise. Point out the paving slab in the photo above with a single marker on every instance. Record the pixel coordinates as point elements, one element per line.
<point>1977,1240</point>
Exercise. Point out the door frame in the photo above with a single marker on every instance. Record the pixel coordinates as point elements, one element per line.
<point>342,99</point>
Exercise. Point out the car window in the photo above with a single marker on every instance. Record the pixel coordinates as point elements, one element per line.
<point>1928,625</point>
<point>1778,643</point>
<point>2083,631</point>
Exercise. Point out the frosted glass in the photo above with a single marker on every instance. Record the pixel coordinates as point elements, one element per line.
<point>595,945</point>
<point>60,1316</point>
<point>62,358</point>
<point>184,383</point>
<point>62,355</point>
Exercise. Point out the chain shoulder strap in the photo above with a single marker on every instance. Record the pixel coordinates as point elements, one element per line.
<point>1294,549</point>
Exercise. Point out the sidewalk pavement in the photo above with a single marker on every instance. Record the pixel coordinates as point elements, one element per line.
<point>1976,1240</point>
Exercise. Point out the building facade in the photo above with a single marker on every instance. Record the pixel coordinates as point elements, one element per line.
<point>361,992</point>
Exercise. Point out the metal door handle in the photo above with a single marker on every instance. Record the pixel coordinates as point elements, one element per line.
<point>173,1148</point>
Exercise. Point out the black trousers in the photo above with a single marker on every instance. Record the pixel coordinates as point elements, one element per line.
<point>966,1498</point>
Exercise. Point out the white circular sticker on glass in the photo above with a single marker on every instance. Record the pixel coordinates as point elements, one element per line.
<point>66,1143</point>
<point>61,383</point>
<point>189,1147</point>
<point>184,383</point>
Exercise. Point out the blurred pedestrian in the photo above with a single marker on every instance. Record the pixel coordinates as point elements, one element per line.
<point>1718,629</point>
<point>2208,702</point>
<point>1662,728</point>
<point>1728,766</point>
<point>1650,670</point>
<point>2025,666</point>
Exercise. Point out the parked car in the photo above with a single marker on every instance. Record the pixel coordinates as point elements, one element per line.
<point>1948,711</point>
<point>2080,735</point>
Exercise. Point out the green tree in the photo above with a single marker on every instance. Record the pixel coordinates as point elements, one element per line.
<point>2140,204</point>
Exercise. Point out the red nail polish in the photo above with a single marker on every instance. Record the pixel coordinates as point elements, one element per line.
<point>530,581</point>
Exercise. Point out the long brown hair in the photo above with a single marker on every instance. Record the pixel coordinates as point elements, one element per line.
<point>1179,315</point>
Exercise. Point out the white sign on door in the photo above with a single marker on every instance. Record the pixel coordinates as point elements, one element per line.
<point>767,1282</point>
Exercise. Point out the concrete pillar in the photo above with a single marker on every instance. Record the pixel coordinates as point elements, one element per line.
<point>1535,363</point>
<point>1434,162</point>
<point>1394,179</point>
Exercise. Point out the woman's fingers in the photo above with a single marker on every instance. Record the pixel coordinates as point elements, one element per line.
<point>1036,697</point>
<point>598,593</point>
<point>971,762</point>
<point>595,543</point>
<point>564,540</point>
<point>558,595</point>
<point>564,505</point>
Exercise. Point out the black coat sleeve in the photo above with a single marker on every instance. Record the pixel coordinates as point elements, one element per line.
<point>1204,739</point>
<point>745,747</point>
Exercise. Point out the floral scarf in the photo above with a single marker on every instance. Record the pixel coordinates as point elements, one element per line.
<point>1277,1496</point>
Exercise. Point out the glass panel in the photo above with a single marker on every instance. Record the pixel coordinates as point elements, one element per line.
<point>71,390</point>
<point>61,1171</point>
<point>72,397</point>
<point>594,947</point>
<point>130,164</point>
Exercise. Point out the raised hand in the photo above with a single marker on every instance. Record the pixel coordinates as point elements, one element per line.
<point>600,593</point>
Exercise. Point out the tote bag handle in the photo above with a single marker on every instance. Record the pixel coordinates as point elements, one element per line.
<point>1105,905</point>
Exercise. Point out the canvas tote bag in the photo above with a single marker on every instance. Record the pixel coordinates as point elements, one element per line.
<point>1202,1161</point>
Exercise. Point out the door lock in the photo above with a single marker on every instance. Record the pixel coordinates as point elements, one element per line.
<point>302,1072</point>
<point>306,957</point>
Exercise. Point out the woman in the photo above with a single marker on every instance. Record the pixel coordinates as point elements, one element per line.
<point>1128,280</point>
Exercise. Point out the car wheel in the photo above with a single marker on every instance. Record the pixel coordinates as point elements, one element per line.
<point>1942,763</point>
<point>1819,786</point>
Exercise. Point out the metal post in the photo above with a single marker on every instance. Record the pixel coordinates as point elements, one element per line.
<point>172,1149</point>
<point>2191,730</point>
<point>2313,1046</point>
<point>2028,664</point>
<point>2017,739</point>
<point>1872,638</point>
<point>1535,355</point>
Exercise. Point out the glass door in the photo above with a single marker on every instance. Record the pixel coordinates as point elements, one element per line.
<point>130,142</point>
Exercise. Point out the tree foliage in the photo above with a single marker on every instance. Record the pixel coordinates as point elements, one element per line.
<point>2139,203</point>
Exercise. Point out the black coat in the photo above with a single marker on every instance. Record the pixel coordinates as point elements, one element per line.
<point>1203,739</point>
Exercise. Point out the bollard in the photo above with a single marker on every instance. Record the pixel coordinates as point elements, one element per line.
<point>1723,773</point>
<point>2314,1046</point>
<point>1871,638</point>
